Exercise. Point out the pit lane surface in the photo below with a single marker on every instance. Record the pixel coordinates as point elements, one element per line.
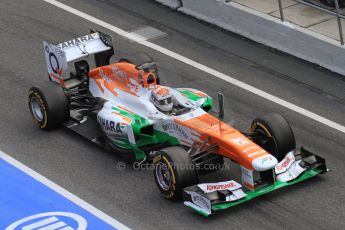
<point>131,196</point>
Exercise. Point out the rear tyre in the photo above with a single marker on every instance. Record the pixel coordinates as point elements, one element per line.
<point>173,171</point>
<point>273,133</point>
<point>48,105</point>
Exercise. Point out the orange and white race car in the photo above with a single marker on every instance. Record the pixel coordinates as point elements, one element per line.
<point>122,106</point>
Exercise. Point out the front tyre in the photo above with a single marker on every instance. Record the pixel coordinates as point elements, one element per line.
<point>48,105</point>
<point>273,133</point>
<point>174,170</point>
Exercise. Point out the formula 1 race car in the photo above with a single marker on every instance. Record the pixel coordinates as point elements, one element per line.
<point>122,107</point>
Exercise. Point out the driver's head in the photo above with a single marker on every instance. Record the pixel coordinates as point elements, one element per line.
<point>162,99</point>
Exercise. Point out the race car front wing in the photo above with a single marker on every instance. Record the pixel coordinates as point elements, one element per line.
<point>208,198</point>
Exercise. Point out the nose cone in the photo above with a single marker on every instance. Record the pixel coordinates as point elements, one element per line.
<point>264,163</point>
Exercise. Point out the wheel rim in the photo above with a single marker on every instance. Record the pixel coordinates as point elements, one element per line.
<point>267,143</point>
<point>163,175</point>
<point>36,109</point>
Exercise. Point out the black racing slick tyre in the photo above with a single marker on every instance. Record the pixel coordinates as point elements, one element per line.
<point>48,105</point>
<point>173,171</point>
<point>273,133</point>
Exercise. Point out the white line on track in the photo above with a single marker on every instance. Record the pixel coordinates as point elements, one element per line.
<point>201,67</point>
<point>96,212</point>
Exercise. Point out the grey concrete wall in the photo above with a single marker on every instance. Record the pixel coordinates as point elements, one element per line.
<point>270,31</point>
<point>171,3</point>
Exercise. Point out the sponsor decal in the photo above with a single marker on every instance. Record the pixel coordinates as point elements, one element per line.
<point>211,188</point>
<point>176,128</point>
<point>105,77</point>
<point>227,185</point>
<point>247,178</point>
<point>285,163</point>
<point>54,64</point>
<point>256,153</point>
<point>291,173</point>
<point>26,208</point>
<point>55,61</point>
<point>246,172</point>
<point>202,202</point>
<point>240,141</point>
<point>264,159</point>
<point>250,148</point>
<point>264,162</point>
<point>123,125</point>
<point>77,41</point>
<point>109,126</point>
<point>50,220</point>
<point>121,76</point>
<point>133,86</point>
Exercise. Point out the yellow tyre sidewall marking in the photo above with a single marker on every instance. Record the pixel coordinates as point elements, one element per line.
<point>261,126</point>
<point>43,107</point>
<point>173,184</point>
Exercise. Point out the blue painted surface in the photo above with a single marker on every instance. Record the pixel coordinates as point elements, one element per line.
<point>22,196</point>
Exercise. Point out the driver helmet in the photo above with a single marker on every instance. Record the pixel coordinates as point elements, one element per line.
<point>161,97</point>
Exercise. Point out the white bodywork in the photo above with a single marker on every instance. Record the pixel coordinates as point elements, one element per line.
<point>288,169</point>
<point>141,105</point>
<point>83,46</point>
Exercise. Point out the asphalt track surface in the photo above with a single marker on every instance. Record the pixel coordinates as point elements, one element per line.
<point>131,196</point>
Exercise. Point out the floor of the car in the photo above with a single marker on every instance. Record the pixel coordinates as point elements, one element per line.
<point>88,128</point>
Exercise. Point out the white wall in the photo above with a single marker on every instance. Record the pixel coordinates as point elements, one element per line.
<point>270,31</point>
<point>171,3</point>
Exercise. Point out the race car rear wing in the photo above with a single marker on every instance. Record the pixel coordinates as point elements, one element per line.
<point>58,56</point>
<point>86,45</point>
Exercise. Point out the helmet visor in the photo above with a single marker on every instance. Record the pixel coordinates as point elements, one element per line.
<point>165,101</point>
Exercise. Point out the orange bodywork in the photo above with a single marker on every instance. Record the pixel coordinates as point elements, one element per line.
<point>232,143</point>
<point>121,76</point>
